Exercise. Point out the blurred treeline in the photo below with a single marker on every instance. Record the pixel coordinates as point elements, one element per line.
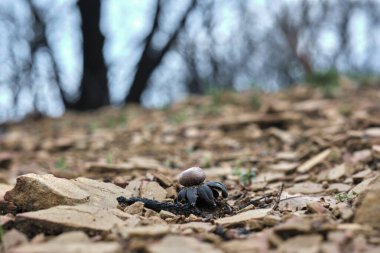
<point>189,47</point>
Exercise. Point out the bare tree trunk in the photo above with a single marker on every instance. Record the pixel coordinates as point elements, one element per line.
<point>151,58</point>
<point>93,92</point>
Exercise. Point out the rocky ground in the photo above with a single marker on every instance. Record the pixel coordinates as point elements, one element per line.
<point>301,169</point>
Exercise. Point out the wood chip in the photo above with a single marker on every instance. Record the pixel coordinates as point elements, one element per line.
<point>309,164</point>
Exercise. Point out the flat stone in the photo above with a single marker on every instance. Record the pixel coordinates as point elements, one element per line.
<point>101,194</point>
<point>316,207</point>
<point>284,136</point>
<point>268,177</point>
<point>13,238</point>
<point>6,221</point>
<point>364,155</point>
<point>147,231</point>
<point>61,143</point>
<point>306,188</point>
<point>295,203</point>
<point>302,244</point>
<point>343,210</point>
<point>287,156</point>
<point>109,168</point>
<point>147,163</point>
<point>152,190</point>
<point>72,236</point>
<point>55,220</point>
<point>133,164</point>
<point>293,226</point>
<point>284,166</point>
<point>336,172</point>
<point>309,105</point>
<point>358,177</point>
<point>330,247</point>
<point>34,192</point>
<point>372,132</point>
<point>144,189</point>
<point>18,140</point>
<point>171,192</point>
<point>196,226</point>
<point>369,211</point>
<point>135,208</point>
<point>3,189</point>
<point>353,227</point>
<point>70,242</point>
<point>165,214</point>
<point>184,244</point>
<point>339,187</point>
<point>253,244</point>
<point>376,151</point>
<point>360,188</point>
<point>271,220</point>
<point>164,180</point>
<point>301,178</point>
<point>243,218</point>
<point>134,188</point>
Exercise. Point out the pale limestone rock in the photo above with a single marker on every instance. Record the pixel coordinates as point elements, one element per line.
<point>302,244</point>
<point>135,208</point>
<point>3,189</point>
<point>71,242</point>
<point>369,209</point>
<point>307,187</point>
<point>55,220</point>
<point>147,231</point>
<point>337,172</point>
<point>13,238</point>
<point>152,190</point>
<point>34,192</point>
<point>101,194</point>
<point>183,244</point>
<point>243,218</point>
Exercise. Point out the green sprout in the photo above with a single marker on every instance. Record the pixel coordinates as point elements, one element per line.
<point>346,197</point>
<point>1,234</point>
<point>60,164</point>
<point>245,175</point>
<point>109,158</point>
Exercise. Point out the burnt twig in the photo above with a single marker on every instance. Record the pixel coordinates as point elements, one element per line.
<point>176,208</point>
<point>278,197</point>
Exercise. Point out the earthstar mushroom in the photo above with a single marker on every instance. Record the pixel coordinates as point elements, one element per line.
<point>195,190</point>
<point>192,176</point>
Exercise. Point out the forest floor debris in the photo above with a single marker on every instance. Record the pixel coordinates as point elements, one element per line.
<point>301,170</point>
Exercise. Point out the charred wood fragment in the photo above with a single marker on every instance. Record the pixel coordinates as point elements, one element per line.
<point>176,208</point>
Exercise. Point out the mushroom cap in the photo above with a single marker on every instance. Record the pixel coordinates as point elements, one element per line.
<point>192,176</point>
